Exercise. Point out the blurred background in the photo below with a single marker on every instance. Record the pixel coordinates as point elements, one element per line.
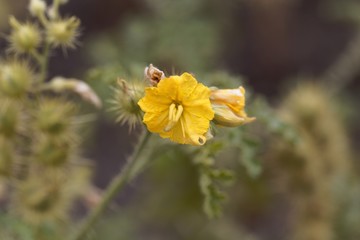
<point>302,57</point>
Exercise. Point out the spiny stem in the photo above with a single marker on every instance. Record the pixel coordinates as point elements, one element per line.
<point>340,74</point>
<point>44,62</point>
<point>55,8</point>
<point>42,59</point>
<point>113,189</point>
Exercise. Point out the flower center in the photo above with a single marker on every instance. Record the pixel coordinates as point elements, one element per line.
<point>175,111</point>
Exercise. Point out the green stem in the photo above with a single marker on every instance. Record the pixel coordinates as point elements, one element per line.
<point>55,8</point>
<point>42,59</point>
<point>114,188</point>
<point>345,68</point>
<point>44,62</point>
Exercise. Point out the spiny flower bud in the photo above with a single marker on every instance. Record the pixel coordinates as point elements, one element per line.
<point>37,7</point>
<point>24,37</point>
<point>63,32</point>
<point>9,118</point>
<point>15,79</point>
<point>54,117</point>
<point>52,151</point>
<point>125,102</point>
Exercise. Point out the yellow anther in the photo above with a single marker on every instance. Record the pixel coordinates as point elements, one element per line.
<point>171,111</point>
<point>174,116</point>
<point>179,111</point>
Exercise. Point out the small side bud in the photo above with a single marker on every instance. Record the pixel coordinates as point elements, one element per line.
<point>229,107</point>
<point>37,7</point>
<point>63,32</point>
<point>153,75</point>
<point>60,84</point>
<point>24,38</point>
<point>15,79</point>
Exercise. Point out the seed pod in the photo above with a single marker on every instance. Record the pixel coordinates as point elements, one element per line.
<point>54,117</point>
<point>24,38</point>
<point>52,152</point>
<point>15,79</point>
<point>6,158</point>
<point>9,119</point>
<point>40,199</point>
<point>125,102</point>
<point>63,32</point>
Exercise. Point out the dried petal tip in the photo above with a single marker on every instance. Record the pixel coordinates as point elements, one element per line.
<point>153,75</point>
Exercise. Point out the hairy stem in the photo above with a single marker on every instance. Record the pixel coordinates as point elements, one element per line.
<point>128,172</point>
<point>44,62</point>
<point>340,74</point>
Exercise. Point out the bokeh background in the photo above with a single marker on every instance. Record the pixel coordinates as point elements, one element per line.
<point>274,47</point>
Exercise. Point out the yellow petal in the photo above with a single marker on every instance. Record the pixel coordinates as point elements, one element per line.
<point>156,121</point>
<point>154,101</point>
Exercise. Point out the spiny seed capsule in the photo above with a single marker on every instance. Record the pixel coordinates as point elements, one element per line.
<point>52,152</point>
<point>15,79</point>
<point>24,37</point>
<point>39,200</point>
<point>6,158</point>
<point>54,116</point>
<point>63,32</point>
<point>9,116</point>
<point>125,102</point>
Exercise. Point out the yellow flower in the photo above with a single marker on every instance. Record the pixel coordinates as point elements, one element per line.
<point>229,107</point>
<point>178,108</point>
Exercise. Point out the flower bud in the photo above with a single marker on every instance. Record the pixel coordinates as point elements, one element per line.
<point>15,79</point>
<point>229,107</point>
<point>24,37</point>
<point>37,7</point>
<point>153,75</point>
<point>63,32</point>
<point>9,118</point>
<point>60,84</point>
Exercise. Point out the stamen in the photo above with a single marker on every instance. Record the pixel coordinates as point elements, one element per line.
<point>171,111</point>
<point>174,116</point>
<point>179,111</point>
